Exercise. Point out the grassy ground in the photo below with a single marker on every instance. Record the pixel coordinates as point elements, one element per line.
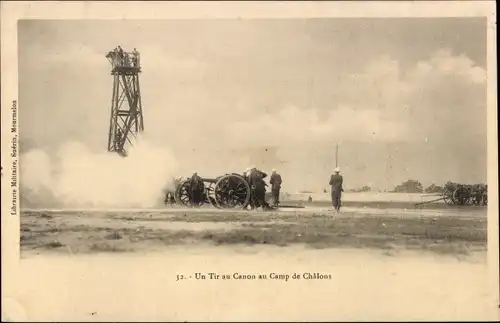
<point>89,232</point>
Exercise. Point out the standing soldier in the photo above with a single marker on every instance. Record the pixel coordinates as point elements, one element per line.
<point>336,182</point>
<point>477,194</point>
<point>137,58</point>
<point>126,60</point>
<point>258,186</point>
<point>197,188</point>
<point>275,182</point>
<point>115,58</point>
<point>246,176</point>
<point>121,55</point>
<point>170,192</point>
<point>246,173</point>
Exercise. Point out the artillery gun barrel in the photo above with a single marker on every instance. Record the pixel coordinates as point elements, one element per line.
<point>431,201</point>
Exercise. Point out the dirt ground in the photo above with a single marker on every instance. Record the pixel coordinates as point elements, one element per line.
<point>458,231</point>
<point>366,264</point>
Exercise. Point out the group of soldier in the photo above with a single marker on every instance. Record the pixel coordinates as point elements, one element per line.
<point>124,59</point>
<point>255,179</point>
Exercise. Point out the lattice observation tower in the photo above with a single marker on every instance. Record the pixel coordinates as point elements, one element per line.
<point>126,120</point>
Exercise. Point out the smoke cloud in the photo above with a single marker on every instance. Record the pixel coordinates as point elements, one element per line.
<point>77,177</point>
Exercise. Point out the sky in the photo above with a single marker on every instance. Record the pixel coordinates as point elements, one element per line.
<point>403,98</point>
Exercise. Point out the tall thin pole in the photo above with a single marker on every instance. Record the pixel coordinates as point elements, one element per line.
<point>337,155</point>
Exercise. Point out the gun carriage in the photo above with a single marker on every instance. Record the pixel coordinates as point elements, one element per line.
<point>226,191</point>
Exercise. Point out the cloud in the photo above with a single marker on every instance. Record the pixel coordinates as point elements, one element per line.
<point>437,106</point>
<point>446,100</point>
<point>382,103</point>
<point>295,125</point>
<point>443,64</point>
<point>442,97</point>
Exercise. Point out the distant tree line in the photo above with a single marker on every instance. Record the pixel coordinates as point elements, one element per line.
<point>414,186</point>
<point>361,189</point>
<point>410,186</point>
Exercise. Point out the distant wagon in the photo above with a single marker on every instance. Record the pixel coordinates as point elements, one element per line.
<point>460,194</point>
<point>463,194</point>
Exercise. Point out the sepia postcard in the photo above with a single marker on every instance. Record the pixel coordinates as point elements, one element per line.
<point>249,161</point>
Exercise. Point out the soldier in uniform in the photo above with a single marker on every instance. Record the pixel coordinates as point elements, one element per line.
<point>170,191</point>
<point>275,182</point>
<point>477,194</point>
<point>126,59</point>
<point>169,197</point>
<point>246,173</point>
<point>336,181</point>
<point>197,188</point>
<point>121,55</point>
<point>258,186</point>
<point>135,58</point>
<point>246,176</point>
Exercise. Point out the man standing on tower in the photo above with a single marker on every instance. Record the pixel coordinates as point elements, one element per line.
<point>275,182</point>
<point>135,58</point>
<point>121,55</point>
<point>336,181</point>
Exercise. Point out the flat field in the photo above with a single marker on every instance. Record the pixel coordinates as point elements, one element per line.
<point>368,263</point>
<point>364,197</point>
<point>445,230</point>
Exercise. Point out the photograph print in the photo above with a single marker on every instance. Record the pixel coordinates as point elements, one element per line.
<point>323,168</point>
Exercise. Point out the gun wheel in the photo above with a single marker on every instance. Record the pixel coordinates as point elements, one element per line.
<point>183,194</point>
<point>448,197</point>
<point>232,191</point>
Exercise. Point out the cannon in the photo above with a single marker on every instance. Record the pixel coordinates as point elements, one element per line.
<point>226,191</point>
<point>463,194</point>
<point>229,191</point>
